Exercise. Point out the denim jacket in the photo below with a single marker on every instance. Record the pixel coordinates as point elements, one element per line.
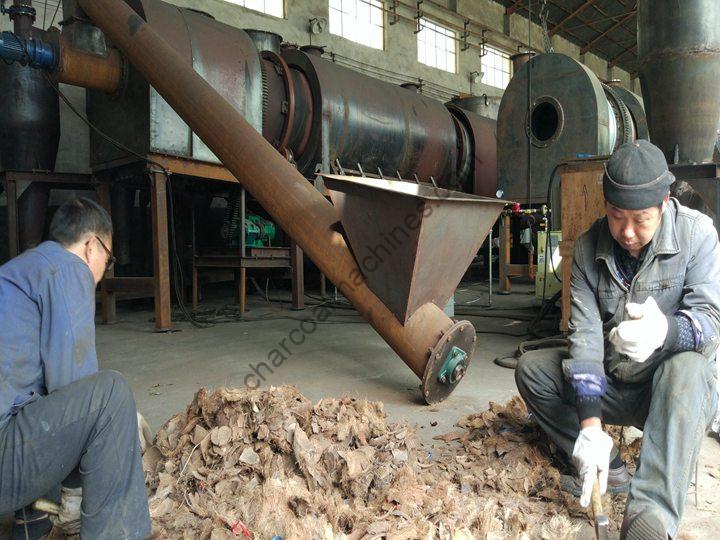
<point>681,271</point>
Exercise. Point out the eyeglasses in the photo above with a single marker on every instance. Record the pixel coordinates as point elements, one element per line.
<point>111,258</point>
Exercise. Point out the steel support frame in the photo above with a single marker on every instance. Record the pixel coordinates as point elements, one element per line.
<point>10,181</point>
<point>506,269</point>
<point>159,283</point>
<point>244,258</point>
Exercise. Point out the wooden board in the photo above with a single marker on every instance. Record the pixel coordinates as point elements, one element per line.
<point>582,203</point>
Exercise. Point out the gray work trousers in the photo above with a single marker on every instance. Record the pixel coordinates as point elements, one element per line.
<point>89,425</point>
<point>674,409</point>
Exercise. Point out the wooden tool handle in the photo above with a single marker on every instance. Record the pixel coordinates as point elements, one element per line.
<point>596,501</point>
<point>43,505</point>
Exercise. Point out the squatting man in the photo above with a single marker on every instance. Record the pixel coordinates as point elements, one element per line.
<point>68,432</point>
<point>644,323</point>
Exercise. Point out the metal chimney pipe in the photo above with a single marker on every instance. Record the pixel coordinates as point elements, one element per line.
<point>679,67</point>
<point>520,59</point>
<point>289,198</point>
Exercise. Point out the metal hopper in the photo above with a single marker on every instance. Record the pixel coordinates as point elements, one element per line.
<point>413,242</point>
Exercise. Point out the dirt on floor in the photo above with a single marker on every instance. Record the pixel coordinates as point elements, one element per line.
<point>266,463</point>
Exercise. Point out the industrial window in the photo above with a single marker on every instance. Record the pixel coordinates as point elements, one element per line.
<point>360,21</point>
<point>271,7</point>
<point>437,46</point>
<point>495,67</point>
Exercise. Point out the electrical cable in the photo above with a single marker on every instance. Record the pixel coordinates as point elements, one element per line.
<point>501,333</point>
<point>52,21</point>
<point>177,264</point>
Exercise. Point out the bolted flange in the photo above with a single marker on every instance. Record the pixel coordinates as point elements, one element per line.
<point>449,361</point>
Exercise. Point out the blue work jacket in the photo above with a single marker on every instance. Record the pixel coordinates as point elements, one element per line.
<point>47,325</point>
<point>680,270</point>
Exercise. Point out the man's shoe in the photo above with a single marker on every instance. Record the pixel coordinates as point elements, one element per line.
<point>31,525</point>
<point>618,482</point>
<point>644,525</point>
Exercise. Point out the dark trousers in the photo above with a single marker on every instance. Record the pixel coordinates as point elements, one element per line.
<point>674,409</point>
<point>89,425</point>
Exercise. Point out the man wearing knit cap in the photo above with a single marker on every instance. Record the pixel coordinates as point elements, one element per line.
<point>644,327</point>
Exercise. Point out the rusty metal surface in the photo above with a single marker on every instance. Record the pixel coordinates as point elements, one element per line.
<point>482,174</point>
<point>569,115</point>
<point>377,124</point>
<point>303,114</point>
<point>278,100</point>
<point>413,242</point>
<point>637,109</point>
<point>93,71</point>
<point>462,335</point>
<point>264,40</point>
<point>302,211</point>
<point>29,108</point>
<point>485,106</point>
<point>141,119</point>
<point>679,67</point>
<point>698,186</point>
<point>520,59</point>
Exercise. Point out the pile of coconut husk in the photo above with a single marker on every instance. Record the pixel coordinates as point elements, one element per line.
<point>260,463</point>
<point>503,450</point>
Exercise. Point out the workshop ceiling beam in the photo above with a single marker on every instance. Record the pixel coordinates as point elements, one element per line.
<point>597,38</point>
<point>559,26</point>
<point>512,9</point>
<point>614,62</point>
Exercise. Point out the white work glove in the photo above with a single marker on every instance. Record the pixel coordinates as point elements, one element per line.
<point>144,433</point>
<point>591,457</point>
<point>643,333</point>
<point>68,519</point>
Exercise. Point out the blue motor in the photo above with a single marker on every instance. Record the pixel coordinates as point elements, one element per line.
<point>27,52</point>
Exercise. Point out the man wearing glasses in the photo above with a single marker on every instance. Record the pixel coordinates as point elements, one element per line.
<point>61,420</point>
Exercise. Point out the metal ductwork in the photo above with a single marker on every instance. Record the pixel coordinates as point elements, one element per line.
<point>679,68</point>
<point>142,120</point>
<point>556,109</point>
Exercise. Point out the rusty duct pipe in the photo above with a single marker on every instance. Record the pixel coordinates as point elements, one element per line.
<point>301,210</point>
<point>79,68</point>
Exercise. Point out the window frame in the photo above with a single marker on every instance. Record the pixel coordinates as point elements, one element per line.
<point>448,35</point>
<point>505,55</point>
<point>378,5</point>
<point>241,3</point>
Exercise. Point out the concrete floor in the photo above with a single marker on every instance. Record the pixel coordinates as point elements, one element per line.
<point>343,357</point>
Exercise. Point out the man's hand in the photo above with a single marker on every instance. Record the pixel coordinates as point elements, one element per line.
<point>591,457</point>
<point>644,332</point>
<point>144,433</point>
<point>68,520</point>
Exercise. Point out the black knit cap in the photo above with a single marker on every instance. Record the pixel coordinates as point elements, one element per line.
<point>636,176</point>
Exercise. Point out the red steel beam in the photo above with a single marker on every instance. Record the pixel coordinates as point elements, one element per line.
<point>597,38</point>
<point>559,26</point>
<point>512,9</point>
